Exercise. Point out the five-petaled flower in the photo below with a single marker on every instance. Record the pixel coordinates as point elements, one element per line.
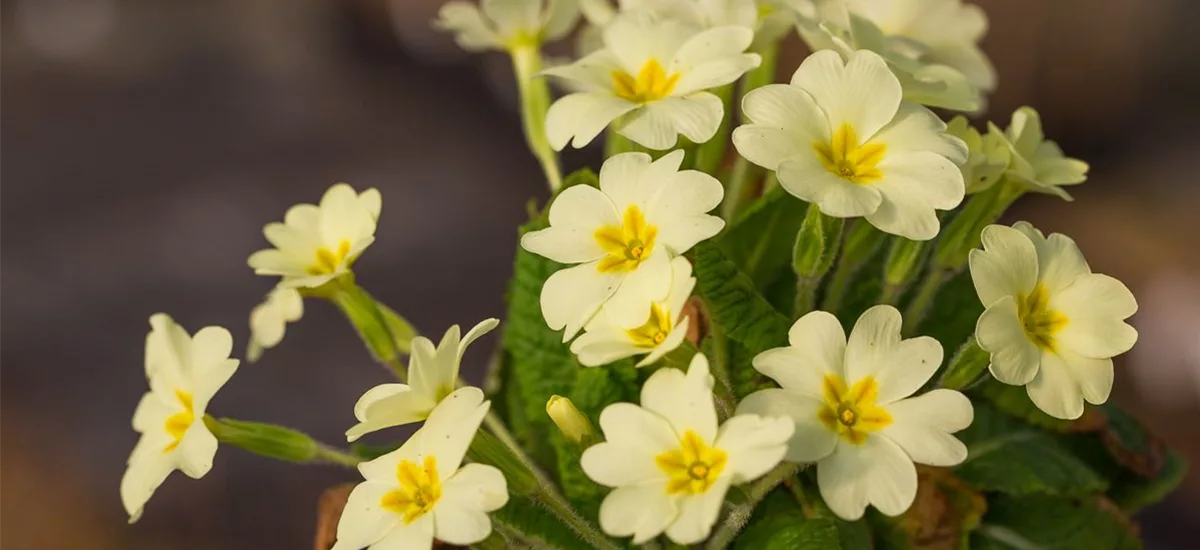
<point>853,415</point>
<point>318,243</point>
<point>507,24</point>
<point>1036,161</point>
<point>1051,324</point>
<point>671,463</point>
<point>184,373</point>
<point>839,136</point>
<point>421,491</point>
<point>652,74</point>
<point>623,236</point>
<point>604,341</point>
<point>432,375</point>
<point>268,320</point>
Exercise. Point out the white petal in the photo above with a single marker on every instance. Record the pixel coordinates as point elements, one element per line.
<point>139,482</point>
<point>477,487</point>
<point>478,331</point>
<point>787,122</point>
<point>372,202</point>
<point>571,296</point>
<point>470,30</point>
<point>685,400</point>
<point>575,216</point>
<point>875,349</point>
<point>818,348</point>
<point>593,72</point>
<point>426,368</point>
<point>933,180</point>
<point>862,93</point>
<point>451,427</point>
<point>383,468</point>
<point>643,511</point>
<point>381,408</point>
<point>1014,358</point>
<point>343,217</point>
<point>417,535</point>
<point>669,344</point>
<point>1094,376</point>
<point>713,58</point>
<point>922,426</point>
<point>811,440</point>
<point>364,522</point>
<point>878,473</point>
<point>651,128</point>
<point>696,116</point>
<point>196,450</point>
<point>1060,261</point>
<point>634,437</point>
<point>167,346</point>
<point>903,213</point>
<point>917,129</point>
<point>582,116</point>
<point>212,379</point>
<point>629,305</point>
<point>560,18</point>
<point>680,210</point>
<point>808,180</point>
<point>633,179</point>
<point>603,346</point>
<point>767,146</point>
<point>513,16</point>
<point>1054,391</point>
<point>682,285</point>
<point>1007,265</point>
<point>1095,306</point>
<point>755,444</point>
<point>698,513</point>
<point>460,525</point>
<point>636,38</point>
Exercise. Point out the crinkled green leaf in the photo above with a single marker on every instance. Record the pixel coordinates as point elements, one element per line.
<point>542,529</point>
<point>760,241</point>
<point>956,308</point>
<point>1133,493</point>
<point>780,524</point>
<point>1014,401</point>
<point>735,304</point>
<point>1044,522</point>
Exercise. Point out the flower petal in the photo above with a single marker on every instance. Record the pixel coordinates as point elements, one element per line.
<point>754,443</point>
<point>811,440</point>
<point>389,405</point>
<point>139,482</point>
<point>917,129</point>
<point>651,128</point>
<point>808,180</point>
<point>698,513</point>
<point>1060,261</point>
<point>1094,376</point>
<point>417,535</point>
<point>196,450</point>
<point>922,426</point>
<point>512,17</point>
<point>1007,265</point>
<point>364,522</point>
<point>637,37</point>
<point>685,400</point>
<point>582,116</point>
<point>603,346</point>
<point>575,216</point>
<point>696,116</point>
<point>669,344</point>
<point>460,516</point>
<point>931,179</point>
<point>863,92</point>
<point>875,349</point>
<point>712,58</point>
<point>878,473</point>
<point>571,296</point>
<point>1014,358</point>
<point>1054,390</point>
<point>634,436</point>
<point>643,511</point>
<point>817,347</point>
<point>593,72</point>
<point>470,30</point>
<point>451,426</point>
<point>1095,306</point>
<point>680,211</point>
<point>629,305</point>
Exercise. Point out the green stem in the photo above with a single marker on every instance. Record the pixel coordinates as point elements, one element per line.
<point>547,494</point>
<point>740,191</point>
<point>915,313</point>
<point>740,513</point>
<point>535,101</point>
<point>330,455</point>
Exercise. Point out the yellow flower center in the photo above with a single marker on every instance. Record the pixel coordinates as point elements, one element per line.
<point>652,83</point>
<point>846,158</point>
<point>852,413</point>
<point>627,246</point>
<point>419,490</point>
<point>1040,322</point>
<point>178,423</point>
<point>656,329</point>
<point>328,260</point>
<point>693,467</point>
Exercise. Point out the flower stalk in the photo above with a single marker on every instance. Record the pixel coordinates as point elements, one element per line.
<point>535,101</point>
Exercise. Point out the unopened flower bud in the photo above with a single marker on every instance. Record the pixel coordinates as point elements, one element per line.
<point>573,424</point>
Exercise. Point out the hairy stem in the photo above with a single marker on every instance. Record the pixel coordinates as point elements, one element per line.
<point>535,101</point>
<point>740,513</point>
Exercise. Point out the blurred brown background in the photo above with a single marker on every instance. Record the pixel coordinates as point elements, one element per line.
<point>145,142</point>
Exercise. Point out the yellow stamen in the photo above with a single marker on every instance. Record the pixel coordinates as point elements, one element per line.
<point>652,83</point>
<point>627,246</point>
<point>1040,322</point>
<point>656,329</point>
<point>178,423</point>
<point>420,489</point>
<point>852,413</point>
<point>328,261</point>
<point>846,158</point>
<point>693,467</point>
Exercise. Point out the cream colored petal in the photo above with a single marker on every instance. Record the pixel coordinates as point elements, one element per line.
<point>1054,391</point>
<point>634,437</point>
<point>651,129</point>
<point>603,346</point>
<point>582,116</point>
<point>643,511</point>
<point>685,400</point>
<point>1007,265</point>
<point>917,129</point>
<point>811,440</point>
<point>363,521</point>
<point>1095,306</point>
<point>754,443</point>
<point>680,210</point>
<point>139,482</point>
<point>559,18</point>
<point>471,31</point>
<point>196,450</point>
<point>817,348</point>
<point>1094,376</point>
<point>451,426</point>
<point>1014,358</point>
<point>698,513</point>
<point>922,426</point>
<point>571,296</point>
<point>629,305</point>
<point>593,72</point>
<point>877,473</point>
<point>696,116</point>
<point>417,535</point>
<point>863,92</point>
<point>804,177</point>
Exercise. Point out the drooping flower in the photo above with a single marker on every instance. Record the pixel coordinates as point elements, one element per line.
<point>670,463</point>
<point>652,74</point>
<point>987,155</point>
<point>605,341</point>
<point>268,320</point>
<point>839,136</point>
<point>317,243</point>
<point>507,24</point>
<point>432,375</point>
<point>853,414</point>
<point>422,491</point>
<point>184,373</point>
<point>924,78</point>
<point>1051,324</point>
<point>1036,161</point>
<point>622,236</point>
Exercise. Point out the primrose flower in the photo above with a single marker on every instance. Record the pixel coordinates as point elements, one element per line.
<point>652,74</point>
<point>1051,324</point>
<point>507,24</point>
<point>318,243</point>
<point>840,137</point>
<point>1036,161</point>
<point>987,155</point>
<point>622,236</point>
<point>422,491</point>
<point>853,415</point>
<point>184,372</point>
<point>605,341</point>
<point>432,375</point>
<point>669,461</point>
<point>268,320</point>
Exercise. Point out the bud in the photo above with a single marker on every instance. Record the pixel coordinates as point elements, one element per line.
<point>573,424</point>
<point>812,255</point>
<point>966,367</point>
<point>385,333</point>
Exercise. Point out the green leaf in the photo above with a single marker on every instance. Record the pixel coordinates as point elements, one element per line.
<point>1014,401</point>
<point>486,449</point>
<point>1044,522</point>
<point>779,524</point>
<point>942,516</point>
<point>582,176</point>
<point>1133,493</point>
<point>539,527</point>
<point>955,310</point>
<point>1008,456</point>
<point>735,304</point>
<point>760,241</point>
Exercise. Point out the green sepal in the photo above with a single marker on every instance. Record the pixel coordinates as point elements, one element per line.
<point>965,368</point>
<point>486,449</point>
<point>268,440</point>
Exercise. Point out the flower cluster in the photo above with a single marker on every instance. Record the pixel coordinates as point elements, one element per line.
<point>685,276</point>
